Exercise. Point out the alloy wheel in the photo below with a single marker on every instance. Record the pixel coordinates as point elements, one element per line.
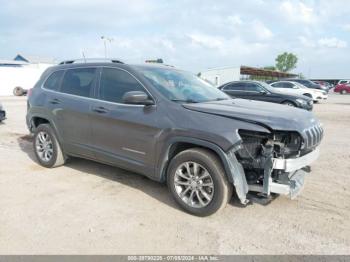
<point>44,146</point>
<point>194,184</point>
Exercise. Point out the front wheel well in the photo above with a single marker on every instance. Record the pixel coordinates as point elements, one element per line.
<point>288,101</point>
<point>178,147</point>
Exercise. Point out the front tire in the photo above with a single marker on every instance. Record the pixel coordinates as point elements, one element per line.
<point>343,92</point>
<point>289,103</point>
<point>47,148</point>
<point>197,182</point>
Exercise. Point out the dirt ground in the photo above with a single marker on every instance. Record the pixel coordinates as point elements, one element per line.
<point>90,208</point>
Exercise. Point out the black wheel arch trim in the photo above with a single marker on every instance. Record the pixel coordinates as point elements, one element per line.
<point>52,124</point>
<point>163,162</point>
<point>289,101</point>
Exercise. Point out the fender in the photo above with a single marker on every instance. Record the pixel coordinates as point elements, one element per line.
<point>162,165</point>
<point>53,125</point>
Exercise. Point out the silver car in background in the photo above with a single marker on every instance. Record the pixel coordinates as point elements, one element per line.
<point>295,88</point>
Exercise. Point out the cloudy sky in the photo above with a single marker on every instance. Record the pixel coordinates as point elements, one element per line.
<point>193,35</point>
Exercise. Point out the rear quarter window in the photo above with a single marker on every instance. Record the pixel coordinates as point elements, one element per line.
<point>54,80</point>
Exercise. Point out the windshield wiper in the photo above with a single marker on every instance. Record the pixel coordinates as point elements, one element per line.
<point>185,100</point>
<point>218,99</point>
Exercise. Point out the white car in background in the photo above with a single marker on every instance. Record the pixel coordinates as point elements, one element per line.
<point>291,87</point>
<point>342,82</point>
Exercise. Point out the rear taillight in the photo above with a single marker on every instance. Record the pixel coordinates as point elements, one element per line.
<point>29,92</point>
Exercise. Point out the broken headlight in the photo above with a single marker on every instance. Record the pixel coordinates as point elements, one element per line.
<point>287,144</point>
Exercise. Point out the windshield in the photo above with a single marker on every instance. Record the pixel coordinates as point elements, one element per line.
<point>308,83</point>
<point>268,87</point>
<point>300,86</point>
<point>182,86</point>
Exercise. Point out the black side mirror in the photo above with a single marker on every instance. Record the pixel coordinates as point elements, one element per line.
<point>137,98</point>
<point>262,92</point>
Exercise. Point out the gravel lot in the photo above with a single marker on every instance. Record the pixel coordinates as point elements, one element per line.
<point>90,208</point>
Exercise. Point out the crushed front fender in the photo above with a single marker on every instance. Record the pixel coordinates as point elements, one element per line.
<point>238,176</point>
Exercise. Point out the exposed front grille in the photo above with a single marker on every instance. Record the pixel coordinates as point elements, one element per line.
<point>314,136</point>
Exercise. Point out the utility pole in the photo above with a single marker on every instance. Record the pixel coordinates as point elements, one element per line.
<point>83,54</point>
<point>105,40</point>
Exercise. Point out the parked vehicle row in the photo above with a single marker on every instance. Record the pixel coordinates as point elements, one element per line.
<point>326,84</point>
<point>341,82</point>
<point>310,84</point>
<point>261,91</point>
<point>304,82</point>
<point>342,88</point>
<point>173,127</point>
<point>299,89</point>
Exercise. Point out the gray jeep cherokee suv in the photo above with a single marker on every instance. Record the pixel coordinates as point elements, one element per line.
<point>172,127</point>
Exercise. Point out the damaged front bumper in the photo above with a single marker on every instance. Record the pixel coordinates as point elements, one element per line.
<point>291,170</point>
<point>290,165</point>
<point>292,188</point>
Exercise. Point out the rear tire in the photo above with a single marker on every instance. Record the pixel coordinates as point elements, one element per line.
<point>197,182</point>
<point>47,149</point>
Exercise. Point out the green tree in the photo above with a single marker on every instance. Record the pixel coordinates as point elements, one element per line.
<point>286,62</point>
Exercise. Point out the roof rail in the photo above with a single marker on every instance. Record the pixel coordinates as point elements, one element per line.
<point>91,60</point>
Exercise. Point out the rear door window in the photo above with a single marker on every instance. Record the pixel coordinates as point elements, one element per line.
<point>79,81</point>
<point>234,87</point>
<point>252,87</point>
<point>284,85</point>
<point>288,85</point>
<point>278,85</point>
<point>54,80</point>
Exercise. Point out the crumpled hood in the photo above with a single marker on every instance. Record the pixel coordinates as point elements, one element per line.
<point>270,115</point>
